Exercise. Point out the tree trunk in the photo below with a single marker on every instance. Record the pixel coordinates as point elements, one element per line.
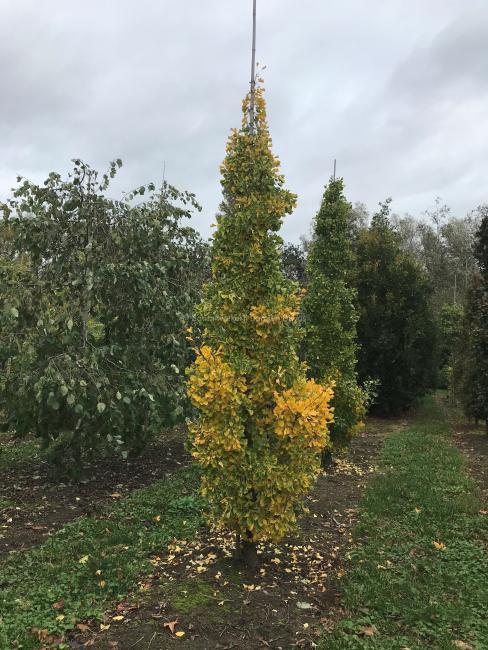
<point>486,424</point>
<point>326,460</point>
<point>246,550</point>
<point>249,554</point>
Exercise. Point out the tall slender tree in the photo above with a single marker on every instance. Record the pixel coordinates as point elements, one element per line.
<point>396,330</point>
<point>473,361</point>
<point>330,313</point>
<point>261,424</point>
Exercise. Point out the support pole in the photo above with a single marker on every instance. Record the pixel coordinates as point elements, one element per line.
<point>335,165</point>
<point>253,69</point>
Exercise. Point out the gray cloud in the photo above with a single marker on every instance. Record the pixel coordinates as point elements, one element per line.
<point>397,91</point>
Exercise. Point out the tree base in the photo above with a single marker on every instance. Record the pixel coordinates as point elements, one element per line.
<point>249,554</point>
<point>326,460</point>
<point>246,552</point>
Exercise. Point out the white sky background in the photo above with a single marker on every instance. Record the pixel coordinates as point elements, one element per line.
<point>396,90</point>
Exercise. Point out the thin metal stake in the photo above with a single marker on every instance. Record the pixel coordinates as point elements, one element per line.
<point>253,69</point>
<point>334,175</point>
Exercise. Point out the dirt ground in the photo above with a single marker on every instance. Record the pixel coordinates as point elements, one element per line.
<point>199,596</point>
<point>473,442</point>
<point>33,506</point>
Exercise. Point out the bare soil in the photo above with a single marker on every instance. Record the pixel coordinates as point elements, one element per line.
<point>33,506</point>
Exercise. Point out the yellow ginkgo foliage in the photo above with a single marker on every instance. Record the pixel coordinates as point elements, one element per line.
<point>261,424</point>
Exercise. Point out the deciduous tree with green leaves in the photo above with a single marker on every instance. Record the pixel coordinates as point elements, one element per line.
<point>449,324</point>
<point>95,341</point>
<point>330,313</point>
<point>261,425</point>
<point>294,263</point>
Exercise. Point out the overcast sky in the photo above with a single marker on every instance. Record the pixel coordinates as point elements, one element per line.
<point>397,91</point>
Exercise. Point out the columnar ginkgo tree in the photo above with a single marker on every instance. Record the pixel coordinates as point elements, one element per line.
<point>261,423</point>
<point>329,310</point>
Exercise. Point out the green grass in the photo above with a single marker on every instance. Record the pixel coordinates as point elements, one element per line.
<point>197,595</point>
<point>189,595</point>
<point>91,562</point>
<point>5,503</point>
<point>14,452</point>
<point>415,595</point>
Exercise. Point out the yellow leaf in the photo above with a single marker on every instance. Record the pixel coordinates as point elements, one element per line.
<point>118,618</point>
<point>180,633</point>
<point>440,546</point>
<point>84,559</point>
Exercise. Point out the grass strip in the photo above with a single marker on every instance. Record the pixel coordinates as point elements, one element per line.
<point>419,570</point>
<point>15,452</point>
<point>92,561</point>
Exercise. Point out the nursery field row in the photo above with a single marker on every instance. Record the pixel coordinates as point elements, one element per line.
<point>402,565</point>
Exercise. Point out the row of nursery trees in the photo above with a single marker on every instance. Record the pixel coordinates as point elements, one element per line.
<point>104,304</point>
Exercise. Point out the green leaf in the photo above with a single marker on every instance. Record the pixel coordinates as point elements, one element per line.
<point>101,407</point>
